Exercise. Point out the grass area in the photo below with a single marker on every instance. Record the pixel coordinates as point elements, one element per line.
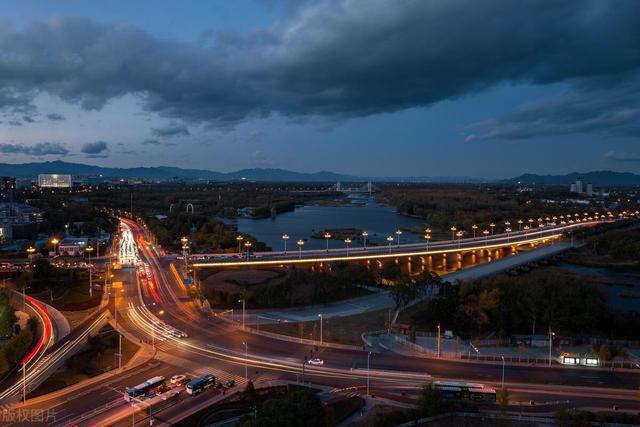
<point>341,330</point>
<point>96,357</point>
<point>73,296</point>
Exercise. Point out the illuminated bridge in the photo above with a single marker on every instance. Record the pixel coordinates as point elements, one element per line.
<point>439,256</point>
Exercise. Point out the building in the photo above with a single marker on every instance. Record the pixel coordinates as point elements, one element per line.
<point>7,189</point>
<point>54,181</point>
<point>580,188</point>
<point>73,246</point>
<point>19,221</point>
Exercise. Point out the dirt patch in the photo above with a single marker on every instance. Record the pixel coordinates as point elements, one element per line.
<point>237,280</point>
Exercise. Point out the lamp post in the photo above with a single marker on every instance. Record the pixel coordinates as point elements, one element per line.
<point>368,369</point>
<point>390,240</point>
<point>459,236</point>
<point>551,335</point>
<point>55,242</point>
<point>530,221</point>
<point>486,236</point>
<point>438,341</point>
<point>347,242</point>
<point>246,357</point>
<point>247,245</point>
<point>520,225</point>
<point>321,338</point>
<point>508,230</point>
<point>398,233</point>
<point>300,245</point>
<point>243,301</point>
<point>453,232</point>
<point>327,236</point>
<point>185,251</point>
<point>239,239</point>
<point>474,227</point>
<point>502,372</point>
<point>89,250</point>
<point>427,237</point>
<point>492,225</point>
<point>364,236</point>
<point>285,237</point>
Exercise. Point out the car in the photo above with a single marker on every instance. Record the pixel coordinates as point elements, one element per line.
<point>177,378</point>
<point>316,362</point>
<point>183,382</point>
<point>230,384</point>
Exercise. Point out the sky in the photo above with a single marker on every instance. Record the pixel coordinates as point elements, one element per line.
<point>489,89</point>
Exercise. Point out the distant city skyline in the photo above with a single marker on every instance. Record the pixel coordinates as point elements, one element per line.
<point>412,88</point>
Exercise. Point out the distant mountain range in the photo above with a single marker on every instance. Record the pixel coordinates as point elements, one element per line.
<point>601,178</point>
<point>166,172</point>
<point>598,178</point>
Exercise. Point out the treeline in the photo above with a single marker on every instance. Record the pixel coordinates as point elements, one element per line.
<point>7,315</point>
<point>210,235</point>
<point>621,244</point>
<point>301,287</point>
<point>552,298</point>
<point>17,347</point>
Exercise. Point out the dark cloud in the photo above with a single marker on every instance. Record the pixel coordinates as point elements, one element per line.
<point>170,131</point>
<point>55,117</point>
<point>40,149</point>
<point>28,119</point>
<point>12,101</point>
<point>610,108</point>
<point>334,58</point>
<point>622,156</point>
<point>95,149</point>
<point>14,123</point>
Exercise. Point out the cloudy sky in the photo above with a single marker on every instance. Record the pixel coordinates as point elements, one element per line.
<point>489,88</point>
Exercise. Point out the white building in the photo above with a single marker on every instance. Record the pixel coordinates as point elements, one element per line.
<point>54,181</point>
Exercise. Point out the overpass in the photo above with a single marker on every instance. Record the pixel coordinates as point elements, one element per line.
<point>440,256</point>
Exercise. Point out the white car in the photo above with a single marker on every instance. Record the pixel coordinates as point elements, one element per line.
<point>316,362</point>
<point>176,378</point>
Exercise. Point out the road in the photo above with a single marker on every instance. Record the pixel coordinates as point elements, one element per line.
<point>156,309</point>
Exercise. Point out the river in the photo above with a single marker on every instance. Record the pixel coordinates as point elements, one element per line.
<point>366,214</point>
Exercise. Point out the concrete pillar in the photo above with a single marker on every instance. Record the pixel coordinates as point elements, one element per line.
<point>459,260</point>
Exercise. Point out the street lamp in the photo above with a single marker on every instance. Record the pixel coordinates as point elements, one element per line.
<point>486,236</point>
<point>320,316</point>
<point>327,236</point>
<point>530,221</point>
<point>390,240</point>
<point>89,250</point>
<point>364,236</point>
<point>492,225</point>
<point>453,232</point>
<point>551,335</point>
<point>368,369</point>
<point>508,230</point>
<point>239,239</point>
<point>347,242</point>
<point>285,237</point>
<point>502,372</point>
<point>55,242</point>
<point>243,301</point>
<point>398,233</point>
<point>427,237</point>
<point>247,245</point>
<point>519,225</point>
<point>300,245</point>
<point>246,350</point>
<point>474,227</point>
<point>459,236</point>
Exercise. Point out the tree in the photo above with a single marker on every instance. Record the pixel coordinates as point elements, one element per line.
<point>430,401</point>
<point>390,270</point>
<point>412,335</point>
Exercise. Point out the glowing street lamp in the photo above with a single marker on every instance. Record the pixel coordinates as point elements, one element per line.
<point>364,236</point>
<point>486,236</point>
<point>398,233</point>
<point>474,227</point>
<point>327,236</point>
<point>390,240</point>
<point>459,235</point>
<point>508,230</point>
<point>247,245</point>
<point>347,242</point>
<point>453,232</point>
<point>300,245</point>
<point>427,237</point>
<point>285,237</point>
<point>239,239</point>
<point>530,223</point>
<point>492,225</point>
<point>55,242</point>
<point>89,249</point>
<point>520,225</point>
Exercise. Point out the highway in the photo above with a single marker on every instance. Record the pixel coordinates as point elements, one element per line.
<point>153,306</point>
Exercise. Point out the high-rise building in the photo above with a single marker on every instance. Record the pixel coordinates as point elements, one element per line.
<point>589,189</point>
<point>54,181</point>
<point>579,186</point>
<point>7,189</point>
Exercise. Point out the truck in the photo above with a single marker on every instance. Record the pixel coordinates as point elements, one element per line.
<point>200,384</point>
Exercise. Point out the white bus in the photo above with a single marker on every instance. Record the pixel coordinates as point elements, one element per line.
<point>142,389</point>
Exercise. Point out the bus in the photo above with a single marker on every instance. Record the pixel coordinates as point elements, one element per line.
<point>468,391</point>
<point>142,389</point>
<point>202,383</point>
